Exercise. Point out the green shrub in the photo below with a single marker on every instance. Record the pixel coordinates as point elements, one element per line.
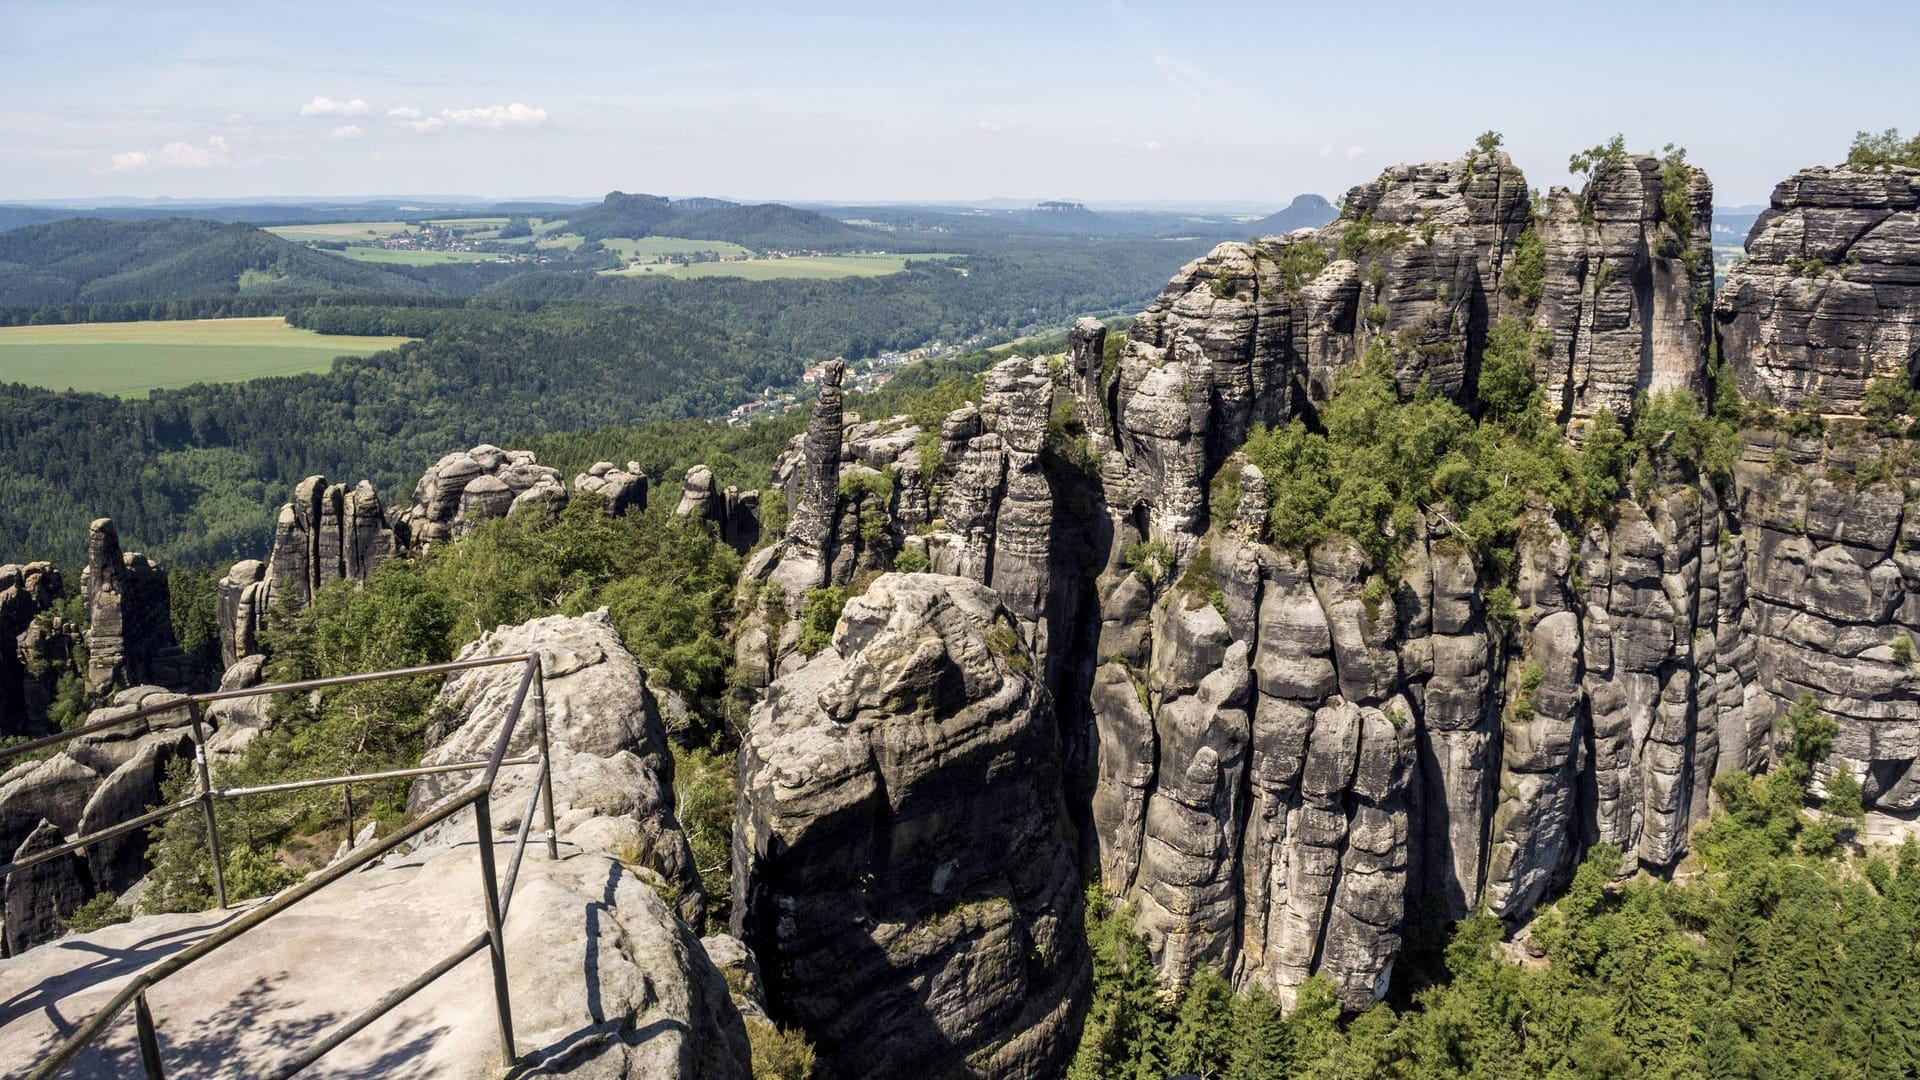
<point>1298,262</point>
<point>1527,275</point>
<point>703,797</point>
<point>1151,560</point>
<point>1592,163</point>
<point>1530,677</point>
<point>818,617</point>
<point>779,1053</point>
<point>910,560</point>
<point>1676,203</point>
<point>101,910</point>
<point>1886,148</point>
<point>1222,284</point>
<point>1903,648</point>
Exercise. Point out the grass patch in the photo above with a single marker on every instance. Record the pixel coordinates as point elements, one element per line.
<point>412,257</point>
<point>799,266</point>
<point>129,358</point>
<point>342,230</point>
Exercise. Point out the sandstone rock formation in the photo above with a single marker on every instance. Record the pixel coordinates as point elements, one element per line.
<point>467,487</point>
<point>1626,287</point>
<point>327,533</point>
<point>130,638</point>
<point>624,489</point>
<point>902,864</point>
<point>25,592</point>
<point>605,982</point>
<point>1277,762</point>
<point>1828,298</point>
<point>612,773</point>
<point>735,513</point>
<point>95,781</point>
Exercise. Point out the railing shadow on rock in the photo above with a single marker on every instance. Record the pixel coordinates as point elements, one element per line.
<point>498,895</point>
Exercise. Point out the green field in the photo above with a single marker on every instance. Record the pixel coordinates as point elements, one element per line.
<point>803,266</point>
<point>656,248</point>
<point>128,359</point>
<point>411,257</point>
<point>341,230</point>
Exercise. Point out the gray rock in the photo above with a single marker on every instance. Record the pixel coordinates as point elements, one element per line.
<point>612,773</point>
<point>902,868</point>
<point>605,982</point>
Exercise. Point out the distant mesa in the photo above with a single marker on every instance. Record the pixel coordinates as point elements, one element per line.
<point>1304,212</point>
<point>763,226</point>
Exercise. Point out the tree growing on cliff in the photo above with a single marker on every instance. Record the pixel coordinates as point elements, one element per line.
<point>1592,163</point>
<point>1871,150</point>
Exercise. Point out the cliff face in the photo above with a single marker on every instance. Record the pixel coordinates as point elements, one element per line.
<point>130,638</point>
<point>1277,765</point>
<point>25,592</point>
<point>1829,297</point>
<point>902,861</point>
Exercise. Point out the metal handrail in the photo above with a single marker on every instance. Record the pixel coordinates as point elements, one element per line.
<point>476,795</point>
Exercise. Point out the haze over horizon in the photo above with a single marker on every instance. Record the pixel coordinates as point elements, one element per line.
<point>1100,101</point>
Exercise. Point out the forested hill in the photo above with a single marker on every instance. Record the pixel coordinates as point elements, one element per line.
<point>194,474</point>
<point>1006,287</point>
<point>763,227</point>
<point>83,260</point>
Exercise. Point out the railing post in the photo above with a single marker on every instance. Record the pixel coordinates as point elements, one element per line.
<point>496,939</point>
<point>546,774</point>
<point>149,1041</point>
<point>206,803</point>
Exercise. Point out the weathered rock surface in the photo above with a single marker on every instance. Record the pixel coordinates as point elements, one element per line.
<point>468,487</point>
<point>612,772</point>
<point>902,864</point>
<point>25,593</point>
<point>327,533</point>
<point>735,513</point>
<point>130,638</point>
<point>605,982</point>
<point>1626,288</point>
<point>624,489</point>
<point>1276,761</point>
<point>94,782</point>
<point>1828,298</point>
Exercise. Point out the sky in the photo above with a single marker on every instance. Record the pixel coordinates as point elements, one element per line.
<point>1104,101</point>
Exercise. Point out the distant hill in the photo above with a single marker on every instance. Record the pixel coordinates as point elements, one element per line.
<point>773,226</point>
<point>87,260</point>
<point>1304,212</point>
<point>761,227</point>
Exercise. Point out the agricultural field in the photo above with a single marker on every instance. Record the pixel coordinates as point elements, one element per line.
<point>128,359</point>
<point>660,248</point>
<point>799,266</point>
<point>341,231</point>
<point>416,256</point>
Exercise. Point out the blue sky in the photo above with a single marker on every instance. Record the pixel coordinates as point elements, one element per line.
<point>1101,101</point>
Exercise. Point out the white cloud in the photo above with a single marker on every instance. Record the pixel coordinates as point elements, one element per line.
<point>1326,151</point>
<point>492,117</point>
<point>416,119</point>
<point>177,155</point>
<point>326,106</point>
<point>988,126</point>
<point>1153,145</point>
<point>497,116</point>
<point>1354,152</point>
<point>345,131</point>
